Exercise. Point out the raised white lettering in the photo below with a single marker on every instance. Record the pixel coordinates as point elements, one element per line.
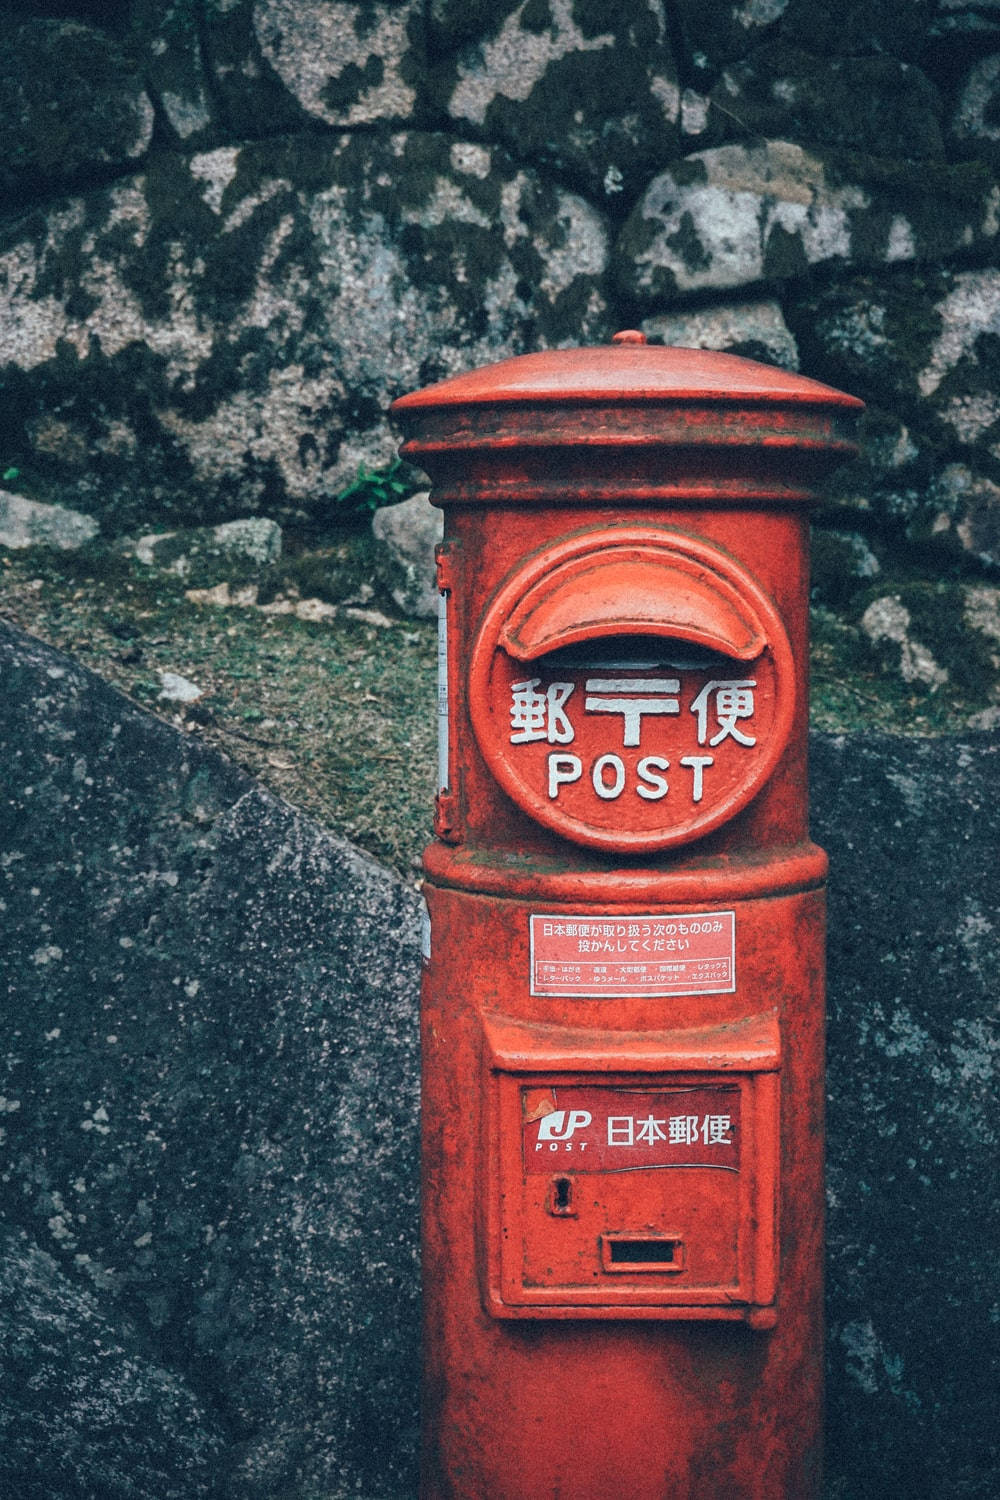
<point>617,766</point>
<point>562,770</point>
<point>648,772</point>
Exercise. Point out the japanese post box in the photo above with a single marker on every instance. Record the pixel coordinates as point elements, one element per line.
<point>622,1016</point>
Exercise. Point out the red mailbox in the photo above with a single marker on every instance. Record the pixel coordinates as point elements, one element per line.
<point>623,988</point>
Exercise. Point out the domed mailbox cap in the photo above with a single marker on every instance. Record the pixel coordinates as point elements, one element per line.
<point>631,688</point>
<point>627,422</point>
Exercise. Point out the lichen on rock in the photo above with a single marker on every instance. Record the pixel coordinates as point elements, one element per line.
<point>589,90</point>
<point>346,64</point>
<point>771,211</point>
<point>248,314</point>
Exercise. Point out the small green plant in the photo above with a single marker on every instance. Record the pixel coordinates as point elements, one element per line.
<point>10,474</point>
<point>370,489</point>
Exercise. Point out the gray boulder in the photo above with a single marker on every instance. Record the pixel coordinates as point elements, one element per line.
<point>30,523</point>
<point>250,312</point>
<point>210,1110</point>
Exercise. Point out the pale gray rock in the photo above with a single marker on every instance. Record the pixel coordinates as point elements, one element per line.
<point>70,102</point>
<point>589,90</point>
<point>177,689</point>
<point>756,330</point>
<point>251,311</point>
<point>345,63</point>
<point>740,214</point>
<point>30,523</point>
<point>231,551</point>
<point>407,534</point>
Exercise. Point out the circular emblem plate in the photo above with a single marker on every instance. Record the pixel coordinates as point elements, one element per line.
<point>631,688</point>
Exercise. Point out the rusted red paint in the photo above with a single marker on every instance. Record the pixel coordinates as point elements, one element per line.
<point>626,952</point>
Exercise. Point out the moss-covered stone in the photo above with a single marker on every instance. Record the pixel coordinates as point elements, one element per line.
<point>223,335</point>
<point>843,564</point>
<point>961,512</point>
<point>873,334</point>
<point>853,103</point>
<point>933,634</point>
<point>716,31</point>
<point>772,211</point>
<point>71,105</point>
<point>345,64</point>
<point>166,40</point>
<point>589,90</point>
<point>859,28</point>
<point>253,100</point>
<point>975,122</point>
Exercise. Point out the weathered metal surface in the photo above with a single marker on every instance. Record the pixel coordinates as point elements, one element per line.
<point>623,995</point>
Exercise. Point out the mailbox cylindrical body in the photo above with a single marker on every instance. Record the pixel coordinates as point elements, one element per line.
<point>622,1015</point>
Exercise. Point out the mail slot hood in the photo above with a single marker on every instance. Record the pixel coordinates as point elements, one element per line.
<point>634,590</point>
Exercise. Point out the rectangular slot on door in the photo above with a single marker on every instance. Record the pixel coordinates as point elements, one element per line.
<point>621,1252</point>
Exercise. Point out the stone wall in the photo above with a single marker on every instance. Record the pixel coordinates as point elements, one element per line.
<point>230,232</point>
<point>233,230</point>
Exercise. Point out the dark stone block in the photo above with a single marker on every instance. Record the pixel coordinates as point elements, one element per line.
<point>911,827</point>
<point>210,1099</point>
<point>93,1413</point>
<point>71,106</point>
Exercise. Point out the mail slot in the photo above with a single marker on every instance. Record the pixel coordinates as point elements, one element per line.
<point>622,1008</point>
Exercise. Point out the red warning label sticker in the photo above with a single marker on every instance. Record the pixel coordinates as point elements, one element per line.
<point>605,957</point>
